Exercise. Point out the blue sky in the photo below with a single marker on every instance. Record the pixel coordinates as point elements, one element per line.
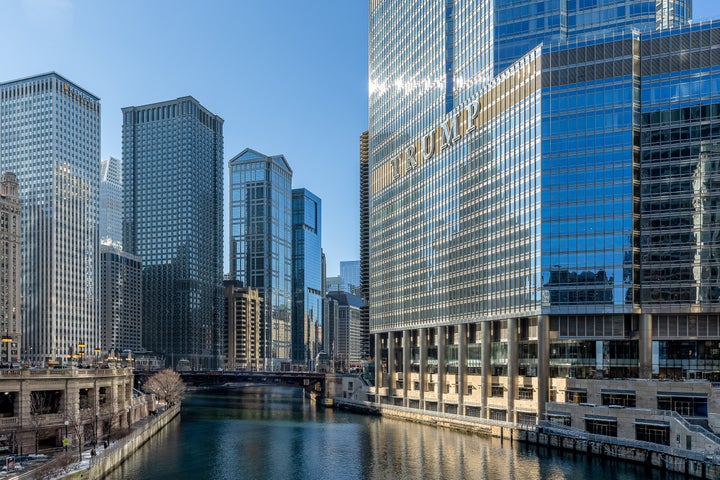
<point>287,76</point>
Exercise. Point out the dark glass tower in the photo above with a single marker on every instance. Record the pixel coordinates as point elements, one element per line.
<point>261,244</point>
<point>307,277</point>
<point>173,220</point>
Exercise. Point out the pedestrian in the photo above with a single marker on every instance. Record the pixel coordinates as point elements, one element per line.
<point>105,444</point>
<point>92,452</point>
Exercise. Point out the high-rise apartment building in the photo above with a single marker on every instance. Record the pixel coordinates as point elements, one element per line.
<point>120,300</point>
<point>542,181</point>
<point>50,139</point>
<point>173,220</point>
<point>307,278</point>
<point>10,305</point>
<point>243,309</point>
<point>111,202</point>
<point>367,340</point>
<point>261,244</point>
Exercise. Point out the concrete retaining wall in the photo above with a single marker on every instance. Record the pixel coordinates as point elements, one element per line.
<point>121,450</point>
<point>671,462</point>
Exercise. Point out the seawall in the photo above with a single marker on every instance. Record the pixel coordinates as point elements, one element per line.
<point>112,457</point>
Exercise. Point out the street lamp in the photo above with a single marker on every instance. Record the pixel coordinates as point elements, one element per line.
<point>65,440</point>
<point>81,348</point>
<point>7,340</point>
<point>97,353</point>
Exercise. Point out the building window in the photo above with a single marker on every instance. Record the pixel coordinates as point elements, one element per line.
<point>525,393</point>
<point>654,432</point>
<point>687,406</point>
<point>560,418</point>
<point>499,415</point>
<point>601,426</point>
<point>526,418</point>
<point>622,399</point>
<point>576,396</point>
<point>497,390</point>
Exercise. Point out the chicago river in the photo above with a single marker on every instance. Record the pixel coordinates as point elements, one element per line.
<point>275,433</point>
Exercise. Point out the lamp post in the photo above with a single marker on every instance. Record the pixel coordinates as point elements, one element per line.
<point>66,440</point>
<point>97,353</point>
<point>81,352</point>
<point>7,340</point>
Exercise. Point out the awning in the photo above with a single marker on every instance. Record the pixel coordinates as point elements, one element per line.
<point>682,394</point>
<point>576,390</point>
<point>653,423</point>
<point>558,414</point>
<point>601,418</point>
<point>618,392</point>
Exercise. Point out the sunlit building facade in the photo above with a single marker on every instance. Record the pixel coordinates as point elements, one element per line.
<point>111,202</point>
<point>50,139</point>
<point>541,205</point>
<point>10,235</point>
<point>307,281</point>
<point>173,220</point>
<point>261,245</point>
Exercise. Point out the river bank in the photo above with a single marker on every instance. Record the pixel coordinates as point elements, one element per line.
<point>692,464</point>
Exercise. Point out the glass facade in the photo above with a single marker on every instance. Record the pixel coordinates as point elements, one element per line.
<point>50,138</point>
<point>173,220</point>
<point>554,218</point>
<point>307,315</point>
<point>111,202</point>
<point>261,244</point>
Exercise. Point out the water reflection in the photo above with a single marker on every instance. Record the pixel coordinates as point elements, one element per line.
<point>273,433</point>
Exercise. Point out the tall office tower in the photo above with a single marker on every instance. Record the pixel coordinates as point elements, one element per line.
<point>554,230</point>
<point>243,307</point>
<point>120,300</point>
<point>307,278</point>
<point>350,273</point>
<point>367,341</point>
<point>50,139</point>
<point>347,331</point>
<point>10,305</point>
<point>111,202</point>
<point>173,220</point>
<point>261,244</point>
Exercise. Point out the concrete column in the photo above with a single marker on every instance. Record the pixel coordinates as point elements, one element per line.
<point>485,370</point>
<point>462,367</point>
<point>406,365</point>
<point>512,367</point>
<point>378,367</point>
<point>543,372</point>
<point>391,363</point>
<point>441,334</point>
<point>423,365</point>
<point>645,346</point>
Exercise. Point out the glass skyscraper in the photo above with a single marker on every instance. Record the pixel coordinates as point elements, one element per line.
<point>111,202</point>
<point>173,220</point>
<point>261,244</point>
<point>350,273</point>
<point>50,138</point>
<point>542,213</point>
<point>307,318</point>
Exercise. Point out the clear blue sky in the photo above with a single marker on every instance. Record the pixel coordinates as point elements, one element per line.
<point>289,77</point>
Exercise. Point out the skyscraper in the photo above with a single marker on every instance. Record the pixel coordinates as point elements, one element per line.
<point>261,244</point>
<point>10,234</point>
<point>111,202</point>
<point>307,278</point>
<point>50,138</point>
<point>121,300</point>
<point>367,342</point>
<point>173,220</point>
<point>350,273</point>
<point>540,207</point>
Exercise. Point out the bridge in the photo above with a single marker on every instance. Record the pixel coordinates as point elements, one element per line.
<point>311,382</point>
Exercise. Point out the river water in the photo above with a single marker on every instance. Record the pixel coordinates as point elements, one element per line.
<point>275,433</point>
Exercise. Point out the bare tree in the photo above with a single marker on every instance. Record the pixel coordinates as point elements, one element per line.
<point>40,404</point>
<point>80,421</point>
<point>167,386</point>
